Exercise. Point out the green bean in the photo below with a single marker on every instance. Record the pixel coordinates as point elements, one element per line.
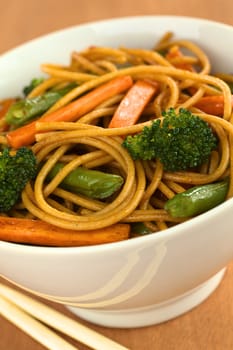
<point>91,183</point>
<point>197,199</point>
<point>25,110</point>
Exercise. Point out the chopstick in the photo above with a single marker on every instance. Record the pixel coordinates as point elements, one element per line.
<point>17,307</point>
<point>32,327</point>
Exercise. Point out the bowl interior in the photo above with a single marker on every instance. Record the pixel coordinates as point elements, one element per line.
<point>19,65</point>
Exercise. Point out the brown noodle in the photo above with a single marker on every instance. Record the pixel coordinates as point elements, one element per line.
<point>146,185</point>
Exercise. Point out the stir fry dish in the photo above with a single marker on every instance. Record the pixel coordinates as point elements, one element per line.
<point>119,143</point>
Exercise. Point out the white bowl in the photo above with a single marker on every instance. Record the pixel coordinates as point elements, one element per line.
<point>145,280</point>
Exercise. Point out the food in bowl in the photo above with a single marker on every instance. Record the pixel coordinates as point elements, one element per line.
<point>132,282</point>
<point>116,143</point>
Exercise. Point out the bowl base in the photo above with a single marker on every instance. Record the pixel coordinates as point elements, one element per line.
<point>152,315</point>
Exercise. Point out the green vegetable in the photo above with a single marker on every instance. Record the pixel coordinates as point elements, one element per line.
<point>181,141</point>
<point>139,228</point>
<point>15,171</point>
<point>34,83</point>
<point>23,111</point>
<point>230,84</point>
<point>198,199</point>
<point>91,183</point>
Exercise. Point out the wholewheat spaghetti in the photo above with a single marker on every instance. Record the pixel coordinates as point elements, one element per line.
<point>182,75</point>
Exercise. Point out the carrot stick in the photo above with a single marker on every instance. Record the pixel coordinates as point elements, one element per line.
<point>212,104</point>
<point>38,232</point>
<point>133,104</point>
<point>4,106</point>
<point>174,52</point>
<point>26,135</point>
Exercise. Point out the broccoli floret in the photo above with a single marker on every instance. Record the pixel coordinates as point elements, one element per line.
<point>16,169</point>
<point>34,83</point>
<point>181,141</point>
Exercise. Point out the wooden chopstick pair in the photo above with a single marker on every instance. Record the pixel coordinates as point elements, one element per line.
<point>26,313</point>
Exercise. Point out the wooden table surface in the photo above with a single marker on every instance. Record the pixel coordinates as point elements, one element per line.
<point>210,325</point>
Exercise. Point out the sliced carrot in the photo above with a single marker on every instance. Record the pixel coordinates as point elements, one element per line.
<point>133,104</point>
<point>73,111</point>
<point>153,82</point>
<point>38,232</point>
<point>175,52</point>
<point>212,104</point>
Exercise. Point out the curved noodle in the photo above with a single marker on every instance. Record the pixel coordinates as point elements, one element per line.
<point>181,74</point>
